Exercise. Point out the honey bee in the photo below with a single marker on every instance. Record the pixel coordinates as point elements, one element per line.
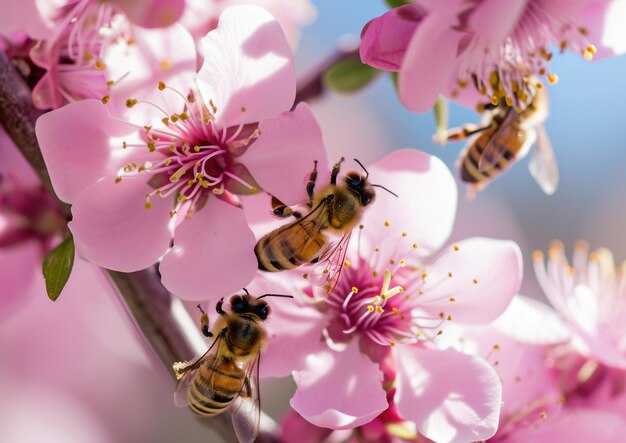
<point>334,209</point>
<point>226,376</point>
<point>506,137</point>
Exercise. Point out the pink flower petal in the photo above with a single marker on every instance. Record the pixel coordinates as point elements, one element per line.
<point>282,157</point>
<point>213,254</point>
<point>82,143</point>
<point>492,20</point>
<point>46,92</point>
<point>577,426</point>
<point>27,16</point>
<point>112,228</point>
<point>532,322</point>
<point>475,283</point>
<point>294,329</point>
<point>385,39</point>
<point>339,390</point>
<point>428,64</point>
<point>451,396</point>
<point>248,68</point>
<point>165,55</point>
<point>424,209</point>
<point>151,13</point>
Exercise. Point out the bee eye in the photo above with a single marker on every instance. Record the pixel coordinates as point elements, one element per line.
<point>237,304</point>
<point>366,200</point>
<point>263,312</point>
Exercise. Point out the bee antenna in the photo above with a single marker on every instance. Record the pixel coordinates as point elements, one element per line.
<point>246,291</point>
<point>361,165</point>
<point>275,295</point>
<point>382,187</point>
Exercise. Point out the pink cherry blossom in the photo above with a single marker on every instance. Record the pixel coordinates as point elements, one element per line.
<point>392,301</point>
<point>590,296</point>
<point>184,157</point>
<point>462,49</point>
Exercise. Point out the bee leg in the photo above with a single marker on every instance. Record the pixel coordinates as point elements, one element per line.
<point>310,186</point>
<point>204,323</point>
<point>280,209</point>
<point>218,307</point>
<point>335,172</point>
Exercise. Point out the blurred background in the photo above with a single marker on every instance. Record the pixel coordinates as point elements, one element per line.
<point>76,370</point>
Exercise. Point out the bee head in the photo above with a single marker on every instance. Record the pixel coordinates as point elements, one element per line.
<point>245,304</point>
<point>359,186</point>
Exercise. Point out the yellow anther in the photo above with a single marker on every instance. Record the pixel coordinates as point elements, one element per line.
<point>475,281</point>
<point>100,65</point>
<point>124,145</point>
<point>543,415</point>
<point>174,118</point>
<point>167,161</point>
<point>392,262</point>
<point>452,299</point>
<point>592,49</point>
<point>376,249</point>
<point>131,102</point>
<point>243,109</point>
<point>148,205</point>
<point>183,116</point>
<point>553,78</point>
<point>404,234</point>
<point>394,310</point>
<point>537,255</point>
<point>449,318</point>
<point>420,292</point>
<point>177,175</point>
<point>374,273</point>
<point>151,146</point>
<point>402,262</point>
<point>355,289</point>
<point>110,83</point>
<point>196,148</point>
<point>439,332</point>
<point>165,64</point>
<point>387,223</point>
<point>594,257</point>
<point>118,179</point>
<point>449,274</point>
<point>106,99</point>
<point>165,120</point>
<point>496,346</point>
<point>305,275</point>
<point>509,101</point>
<point>377,299</point>
<point>370,308</point>
<point>563,45</point>
<point>415,246</point>
<point>361,226</point>
<point>455,247</point>
<point>583,30</point>
<point>424,275</point>
<point>392,343</point>
<point>162,86</point>
<point>442,315</point>
<point>379,309</point>
<point>254,190</point>
<point>346,262</point>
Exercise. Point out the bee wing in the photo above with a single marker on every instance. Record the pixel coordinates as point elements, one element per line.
<point>304,231</point>
<point>187,371</point>
<point>325,274</point>
<point>245,410</point>
<point>497,144</point>
<point>542,164</point>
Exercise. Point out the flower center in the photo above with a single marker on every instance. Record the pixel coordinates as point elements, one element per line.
<point>191,158</point>
<point>507,71</point>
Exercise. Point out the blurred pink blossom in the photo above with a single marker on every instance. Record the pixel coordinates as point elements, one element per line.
<point>179,162</point>
<point>590,297</point>
<point>201,16</point>
<point>383,318</point>
<point>462,49</point>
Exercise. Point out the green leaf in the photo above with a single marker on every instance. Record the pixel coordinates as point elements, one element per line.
<point>349,75</point>
<point>396,3</point>
<point>441,119</point>
<point>57,267</point>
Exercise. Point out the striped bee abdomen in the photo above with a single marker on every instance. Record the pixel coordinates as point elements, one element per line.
<point>288,248</point>
<point>215,385</point>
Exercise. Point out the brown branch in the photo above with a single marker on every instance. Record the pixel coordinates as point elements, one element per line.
<point>146,300</point>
